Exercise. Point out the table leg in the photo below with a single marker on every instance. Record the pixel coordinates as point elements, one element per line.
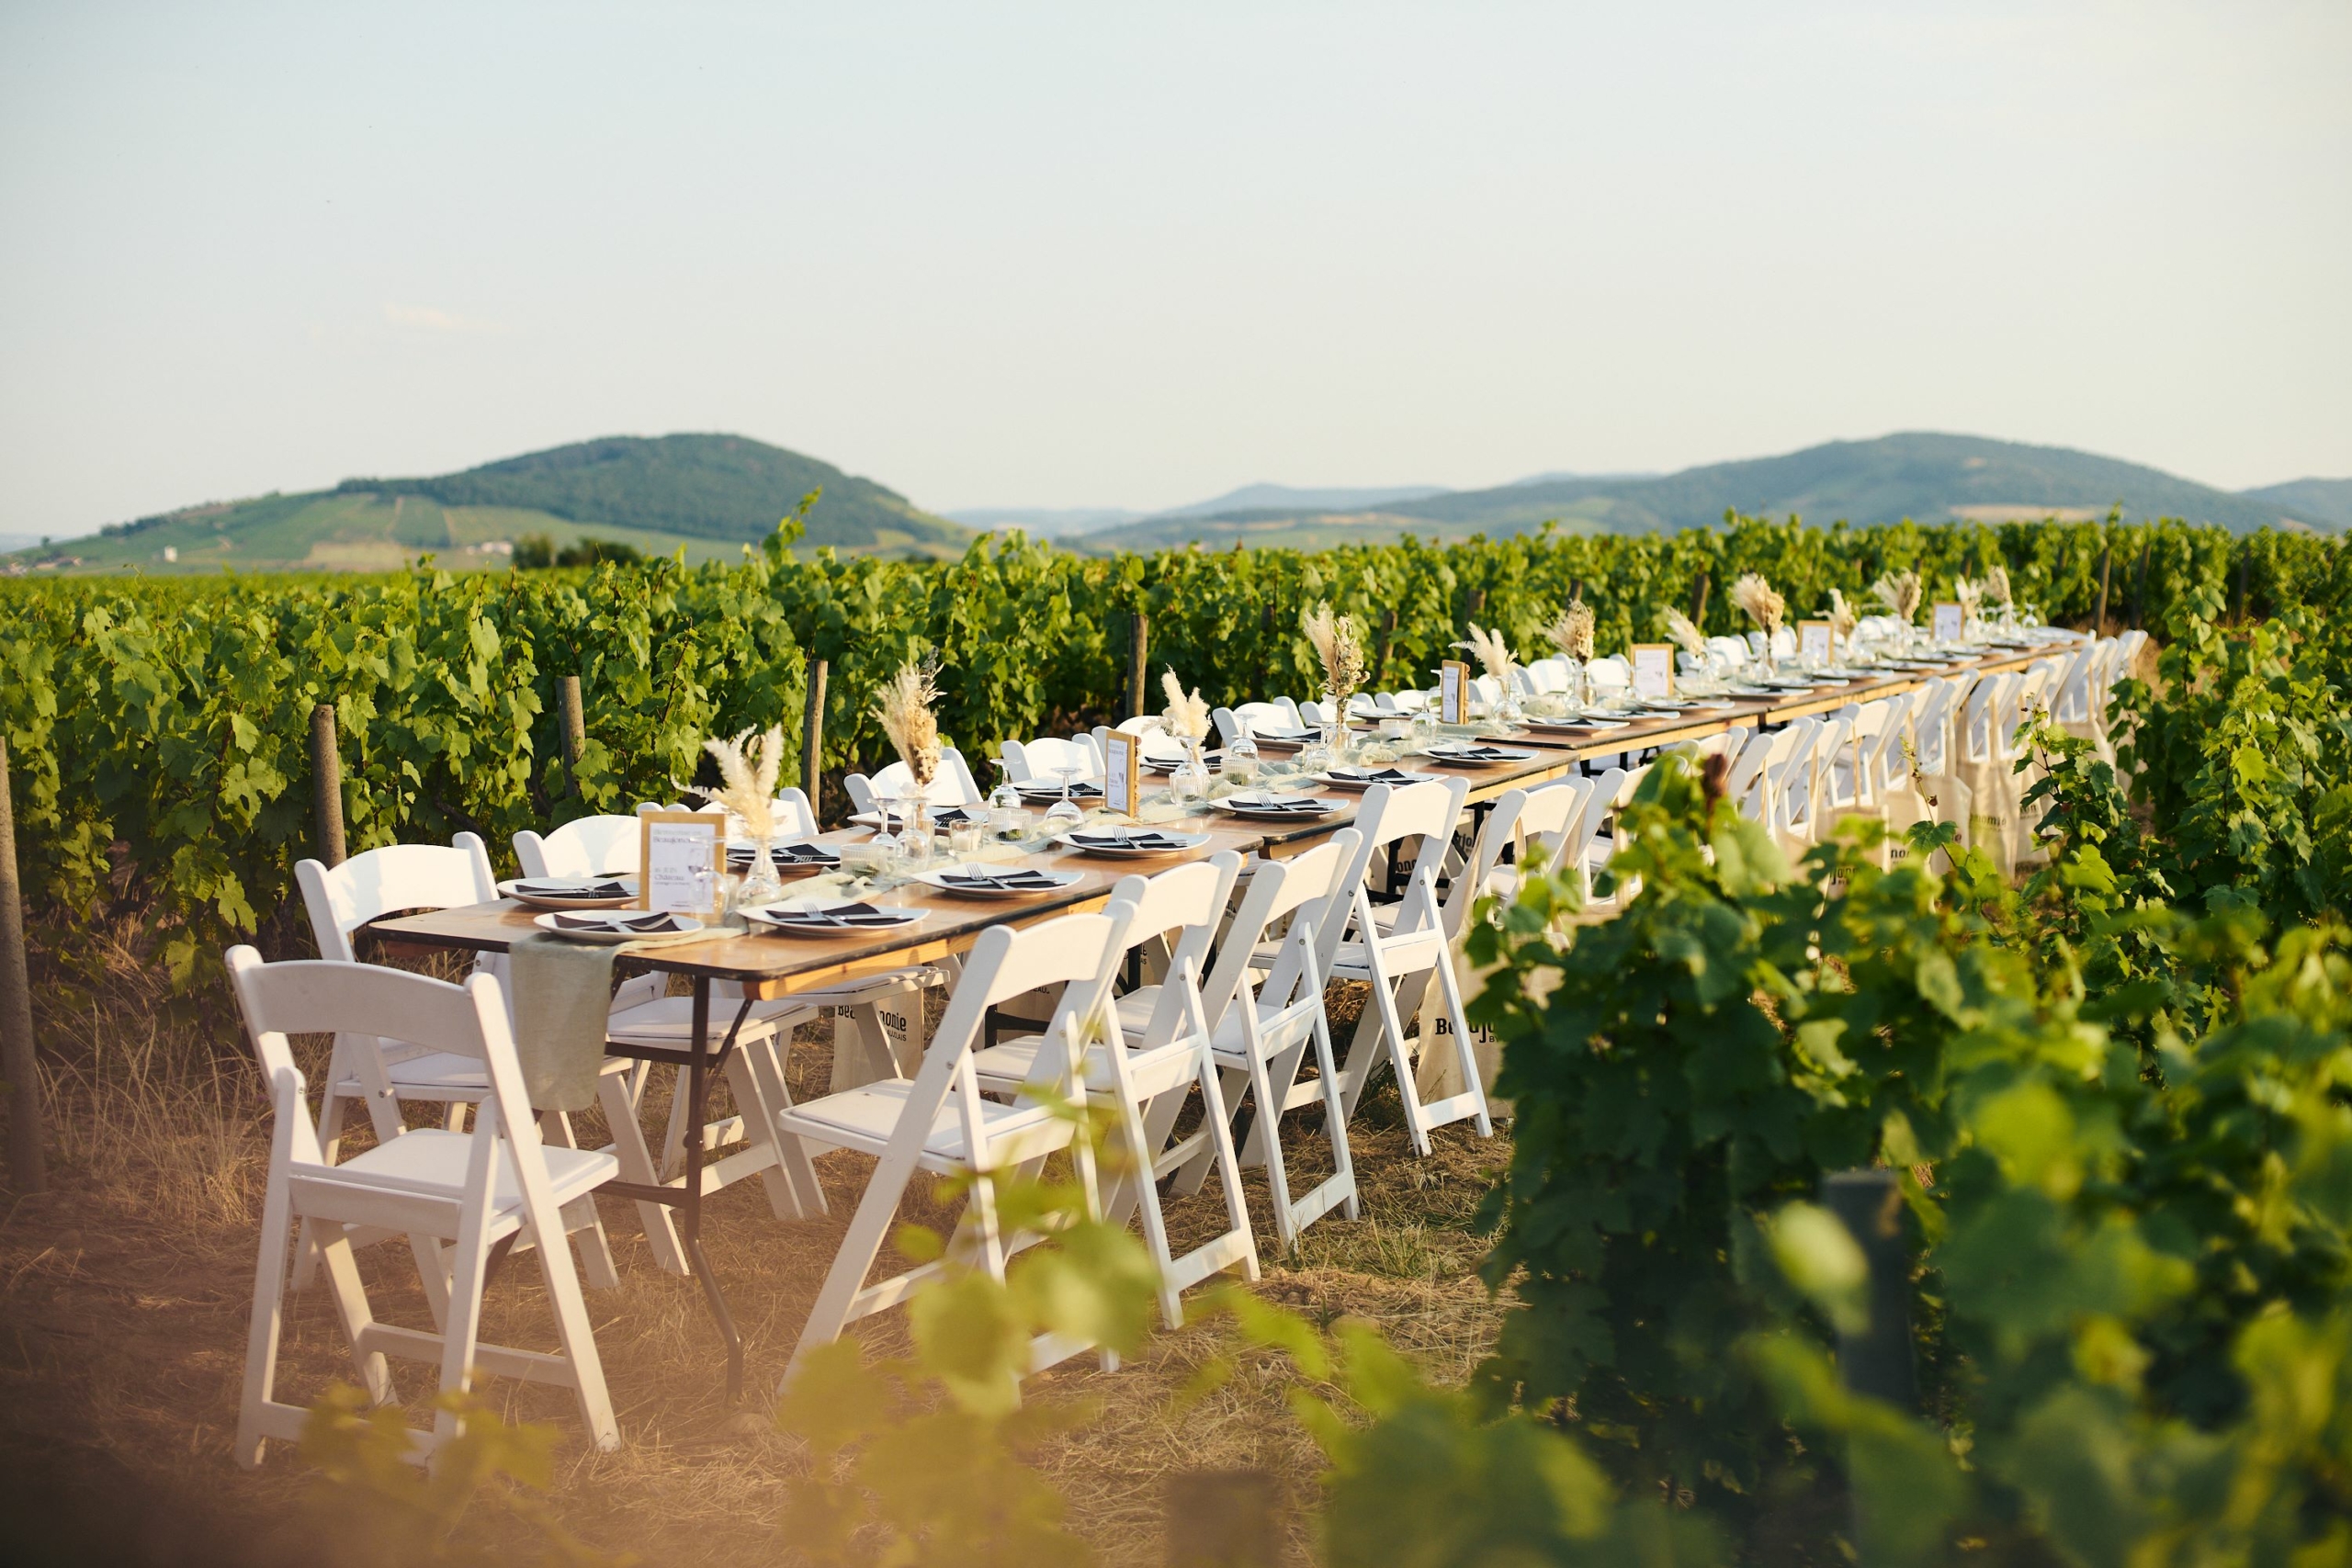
<point>697,1114</point>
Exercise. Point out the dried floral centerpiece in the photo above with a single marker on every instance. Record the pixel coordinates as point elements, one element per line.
<point>749,764</point>
<point>1756,598</point>
<point>1495,657</point>
<point>1971,594</point>
<point>1571,632</point>
<point>903,709</point>
<point>1186,718</point>
<point>1339,648</point>
<point>1899,592</point>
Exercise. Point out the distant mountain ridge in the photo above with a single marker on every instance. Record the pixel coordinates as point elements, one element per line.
<point>707,494</point>
<point>1924,476</point>
<point>2322,501</point>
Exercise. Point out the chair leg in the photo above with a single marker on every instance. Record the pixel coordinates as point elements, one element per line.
<point>867,1229</point>
<point>580,1347</point>
<point>748,1083</point>
<point>462,1336</point>
<point>1228,1169</point>
<point>637,1166</point>
<point>792,1155</point>
<point>580,1219</point>
<point>342,1270</point>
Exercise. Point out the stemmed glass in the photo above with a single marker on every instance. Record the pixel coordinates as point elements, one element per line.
<point>1065,812</point>
<point>886,841</point>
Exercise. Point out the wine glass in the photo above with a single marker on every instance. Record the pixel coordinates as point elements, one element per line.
<point>1065,813</point>
<point>886,841</point>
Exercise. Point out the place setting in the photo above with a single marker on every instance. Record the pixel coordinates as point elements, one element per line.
<point>1469,754</point>
<point>571,893</point>
<point>804,855</point>
<point>612,927</point>
<point>830,920</point>
<point>1361,779</point>
<point>978,881</point>
<point>1130,842</point>
<point>1266,806</point>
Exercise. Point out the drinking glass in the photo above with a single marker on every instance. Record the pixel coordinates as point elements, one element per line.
<point>1065,813</point>
<point>1007,811</point>
<point>915,838</point>
<point>887,846</point>
<point>965,839</point>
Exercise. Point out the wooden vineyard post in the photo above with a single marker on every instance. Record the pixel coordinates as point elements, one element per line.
<point>327,784</point>
<point>575,723</point>
<point>2106,566</point>
<point>1877,1361</point>
<point>1380,649</point>
<point>1138,663</point>
<point>1474,604</point>
<point>1222,1519</point>
<point>813,734</point>
<point>1699,599</point>
<point>28,1166</point>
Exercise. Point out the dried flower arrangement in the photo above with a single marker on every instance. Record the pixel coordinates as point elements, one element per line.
<point>1339,645</point>
<point>1971,594</point>
<point>1187,718</point>
<point>1492,653</point>
<point>748,766</point>
<point>1843,616</point>
<point>1685,635</point>
<point>1756,598</point>
<point>1899,592</point>
<point>1996,586</point>
<point>903,710</point>
<point>1572,632</point>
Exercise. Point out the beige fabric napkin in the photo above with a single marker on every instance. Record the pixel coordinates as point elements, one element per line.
<point>562,999</point>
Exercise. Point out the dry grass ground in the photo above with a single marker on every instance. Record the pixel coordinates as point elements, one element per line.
<point>124,1294</point>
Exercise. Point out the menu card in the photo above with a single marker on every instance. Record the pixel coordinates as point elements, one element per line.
<point>1122,759</point>
<point>1653,670</point>
<point>683,854</point>
<point>1948,623</point>
<point>1452,688</point>
<point>1816,642</point>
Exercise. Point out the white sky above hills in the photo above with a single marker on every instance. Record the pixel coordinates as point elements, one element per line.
<point>1092,255</point>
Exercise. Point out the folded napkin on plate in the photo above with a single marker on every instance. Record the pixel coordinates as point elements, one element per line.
<point>572,890</point>
<point>1475,754</point>
<point>789,854</point>
<point>656,924</point>
<point>1145,840</point>
<point>956,815</point>
<point>1283,737</point>
<point>561,993</point>
<point>1376,775</point>
<point>839,915</point>
<point>1027,881</point>
<point>1053,787</point>
<point>1303,807</point>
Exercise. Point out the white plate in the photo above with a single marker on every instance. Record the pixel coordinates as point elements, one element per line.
<point>743,853</point>
<point>1060,879</point>
<point>514,889</point>
<point>1179,844</point>
<point>1171,761</point>
<point>763,917</point>
<point>1051,789</point>
<point>1501,754</point>
<point>1260,810</point>
<point>978,814</point>
<point>1287,739</point>
<point>1588,726</point>
<point>1341,781</point>
<point>689,929</point>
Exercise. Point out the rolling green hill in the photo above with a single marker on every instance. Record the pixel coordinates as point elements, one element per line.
<point>2322,501</point>
<point>1925,477</point>
<point>707,494</point>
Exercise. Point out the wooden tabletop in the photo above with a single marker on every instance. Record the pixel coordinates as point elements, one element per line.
<point>769,967</point>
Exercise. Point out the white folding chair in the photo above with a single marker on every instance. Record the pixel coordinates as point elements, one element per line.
<point>1042,758</point>
<point>1610,793</point>
<point>1261,718</point>
<point>476,1193</point>
<point>952,784</point>
<point>380,1073</point>
<point>1142,1076</point>
<point>940,1122</point>
<point>1261,1040</point>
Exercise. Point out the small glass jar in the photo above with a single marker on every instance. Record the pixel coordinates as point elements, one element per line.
<point>1240,767</point>
<point>915,838</point>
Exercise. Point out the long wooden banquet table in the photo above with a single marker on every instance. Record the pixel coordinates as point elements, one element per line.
<point>769,967</point>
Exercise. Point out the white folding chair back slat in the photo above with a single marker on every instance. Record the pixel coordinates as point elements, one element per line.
<point>1043,757</point>
<point>470,1191</point>
<point>952,784</point>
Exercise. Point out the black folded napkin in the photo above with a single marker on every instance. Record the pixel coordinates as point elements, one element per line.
<point>644,925</point>
<point>1473,754</point>
<point>839,914</point>
<point>1027,881</point>
<point>1379,776</point>
<point>1127,840</point>
<point>572,890</point>
<point>1054,788</point>
<point>1315,808</point>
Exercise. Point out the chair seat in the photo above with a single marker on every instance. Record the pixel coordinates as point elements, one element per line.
<point>443,1075</point>
<point>434,1155</point>
<point>669,1021</point>
<point>864,1118</point>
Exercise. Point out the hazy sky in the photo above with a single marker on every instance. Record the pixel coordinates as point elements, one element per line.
<point>1133,254</point>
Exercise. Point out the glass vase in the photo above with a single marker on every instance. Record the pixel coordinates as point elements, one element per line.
<point>1190,782</point>
<point>760,885</point>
